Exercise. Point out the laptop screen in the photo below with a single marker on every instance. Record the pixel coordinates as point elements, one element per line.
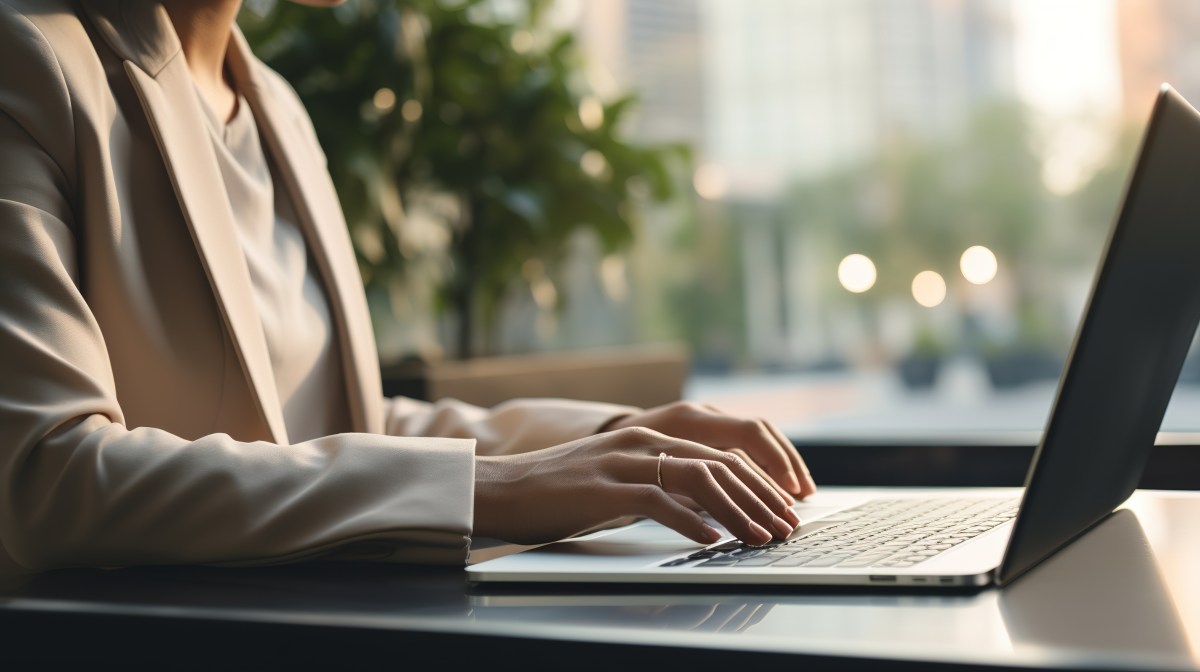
<point>1129,349</point>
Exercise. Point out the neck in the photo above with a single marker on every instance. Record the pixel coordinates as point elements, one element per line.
<point>204,28</point>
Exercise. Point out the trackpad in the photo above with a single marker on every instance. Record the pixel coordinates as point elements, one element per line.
<point>642,538</point>
<point>648,537</point>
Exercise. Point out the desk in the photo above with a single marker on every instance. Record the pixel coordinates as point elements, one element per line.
<point>1126,596</point>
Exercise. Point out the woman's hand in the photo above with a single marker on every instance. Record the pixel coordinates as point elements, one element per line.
<point>757,441</point>
<point>557,492</point>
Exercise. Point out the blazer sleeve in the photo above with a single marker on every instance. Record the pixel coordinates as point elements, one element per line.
<point>516,426</point>
<point>79,488</point>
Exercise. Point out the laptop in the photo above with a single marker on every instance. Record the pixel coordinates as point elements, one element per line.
<point>1129,349</point>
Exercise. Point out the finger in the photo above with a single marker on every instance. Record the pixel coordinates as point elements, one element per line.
<point>654,469</point>
<point>807,485</point>
<point>694,479</point>
<point>724,431</point>
<point>686,501</point>
<point>754,503</point>
<point>762,488</point>
<point>652,502</point>
<point>775,456</point>
<point>759,470</point>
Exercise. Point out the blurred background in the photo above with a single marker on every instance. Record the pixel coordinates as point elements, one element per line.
<point>863,218</point>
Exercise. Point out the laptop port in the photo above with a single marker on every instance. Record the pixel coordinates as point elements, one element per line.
<point>883,579</point>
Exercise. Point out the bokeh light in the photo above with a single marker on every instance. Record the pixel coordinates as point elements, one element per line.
<point>521,41</point>
<point>384,100</point>
<point>593,163</point>
<point>412,110</point>
<point>591,113</point>
<point>857,273</point>
<point>710,182</point>
<point>978,265</point>
<point>929,288</point>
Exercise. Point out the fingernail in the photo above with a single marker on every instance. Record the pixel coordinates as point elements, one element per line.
<point>711,534</point>
<point>791,517</point>
<point>782,529</point>
<point>760,532</point>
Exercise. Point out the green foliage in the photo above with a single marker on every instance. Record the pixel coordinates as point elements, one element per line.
<point>484,109</point>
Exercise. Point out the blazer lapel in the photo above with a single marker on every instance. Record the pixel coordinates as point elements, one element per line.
<point>141,32</point>
<point>301,168</point>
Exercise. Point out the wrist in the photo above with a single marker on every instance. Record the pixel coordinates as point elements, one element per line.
<point>486,479</point>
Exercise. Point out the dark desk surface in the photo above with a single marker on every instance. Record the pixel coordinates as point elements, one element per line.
<point>1126,596</point>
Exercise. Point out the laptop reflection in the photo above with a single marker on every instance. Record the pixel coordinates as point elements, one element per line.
<point>1103,594</point>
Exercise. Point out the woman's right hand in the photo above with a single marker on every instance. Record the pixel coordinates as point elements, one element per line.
<point>551,494</point>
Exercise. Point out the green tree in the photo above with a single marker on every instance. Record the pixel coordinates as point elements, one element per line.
<point>412,97</point>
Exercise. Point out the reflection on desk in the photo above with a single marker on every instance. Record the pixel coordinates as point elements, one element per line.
<point>1104,593</point>
<point>1123,596</point>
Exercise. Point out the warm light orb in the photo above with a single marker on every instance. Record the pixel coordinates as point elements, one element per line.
<point>384,100</point>
<point>929,288</point>
<point>593,163</point>
<point>857,273</point>
<point>978,265</point>
<point>412,110</point>
<point>710,182</point>
<point>521,41</point>
<point>591,113</point>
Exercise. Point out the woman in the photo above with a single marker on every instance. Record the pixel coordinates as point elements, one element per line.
<point>189,374</point>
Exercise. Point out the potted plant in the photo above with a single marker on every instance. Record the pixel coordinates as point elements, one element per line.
<point>919,368</point>
<point>480,119</point>
<point>1034,355</point>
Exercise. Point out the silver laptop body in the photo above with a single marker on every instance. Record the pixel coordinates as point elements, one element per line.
<point>1130,347</point>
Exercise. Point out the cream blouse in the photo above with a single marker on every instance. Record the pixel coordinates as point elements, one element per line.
<point>287,290</point>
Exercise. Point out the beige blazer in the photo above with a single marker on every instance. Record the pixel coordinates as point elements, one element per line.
<point>139,421</point>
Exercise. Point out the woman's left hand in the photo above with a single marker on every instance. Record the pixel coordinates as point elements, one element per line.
<point>757,441</point>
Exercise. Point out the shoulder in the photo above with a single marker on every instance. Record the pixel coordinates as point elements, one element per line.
<point>32,29</point>
<point>37,35</point>
<point>48,25</point>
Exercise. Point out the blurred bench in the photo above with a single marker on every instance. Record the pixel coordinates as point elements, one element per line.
<point>642,376</point>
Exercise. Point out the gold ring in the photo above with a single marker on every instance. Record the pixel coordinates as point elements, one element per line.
<point>661,458</point>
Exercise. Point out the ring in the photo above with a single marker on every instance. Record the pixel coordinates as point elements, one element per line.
<point>661,458</point>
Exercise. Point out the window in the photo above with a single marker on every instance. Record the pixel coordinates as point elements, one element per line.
<point>899,205</point>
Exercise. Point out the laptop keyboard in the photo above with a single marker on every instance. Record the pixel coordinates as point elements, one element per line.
<point>878,533</point>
